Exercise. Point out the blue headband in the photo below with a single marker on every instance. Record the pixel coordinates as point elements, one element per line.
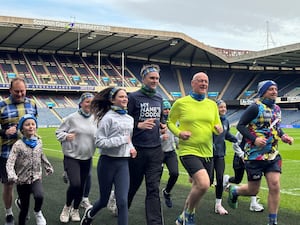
<point>113,92</point>
<point>84,96</point>
<point>148,70</point>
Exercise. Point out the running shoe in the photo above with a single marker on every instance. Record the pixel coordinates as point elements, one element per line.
<point>40,219</point>
<point>256,207</point>
<point>225,181</point>
<point>219,209</point>
<point>167,197</point>
<point>86,220</point>
<point>232,198</point>
<point>186,218</point>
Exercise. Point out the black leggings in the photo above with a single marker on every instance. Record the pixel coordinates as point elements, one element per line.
<point>171,161</point>
<point>239,168</point>
<point>219,167</point>
<point>77,171</point>
<point>24,192</point>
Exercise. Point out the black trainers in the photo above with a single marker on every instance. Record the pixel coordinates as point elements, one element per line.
<point>9,220</point>
<point>86,220</point>
<point>167,197</point>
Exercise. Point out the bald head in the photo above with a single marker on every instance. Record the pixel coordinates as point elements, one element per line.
<point>200,75</point>
<point>200,83</point>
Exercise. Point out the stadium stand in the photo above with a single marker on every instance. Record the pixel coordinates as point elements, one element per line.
<point>48,118</point>
<point>56,71</point>
<point>64,112</point>
<point>33,67</point>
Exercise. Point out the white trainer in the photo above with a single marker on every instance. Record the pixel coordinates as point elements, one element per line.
<point>112,205</point>
<point>65,214</point>
<point>85,204</point>
<point>40,219</point>
<point>225,181</point>
<point>219,209</point>
<point>256,207</point>
<point>74,214</point>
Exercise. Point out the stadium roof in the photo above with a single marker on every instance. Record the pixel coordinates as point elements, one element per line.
<point>49,36</point>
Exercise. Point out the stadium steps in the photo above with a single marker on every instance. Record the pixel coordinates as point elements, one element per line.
<point>56,114</point>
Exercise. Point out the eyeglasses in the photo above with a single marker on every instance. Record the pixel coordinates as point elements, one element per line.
<point>201,80</point>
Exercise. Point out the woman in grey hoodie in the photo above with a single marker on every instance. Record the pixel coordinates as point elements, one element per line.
<point>113,138</point>
<point>77,137</point>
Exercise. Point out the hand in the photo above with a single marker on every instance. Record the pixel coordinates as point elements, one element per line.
<point>185,135</point>
<point>12,180</point>
<point>260,142</point>
<point>11,131</point>
<point>49,171</point>
<point>287,139</point>
<point>163,128</point>
<point>70,136</point>
<point>218,128</point>
<point>165,137</point>
<point>133,153</point>
<point>148,124</point>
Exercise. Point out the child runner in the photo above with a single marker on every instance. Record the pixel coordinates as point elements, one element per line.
<point>24,167</point>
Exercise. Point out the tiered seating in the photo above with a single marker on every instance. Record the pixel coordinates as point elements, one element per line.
<point>84,72</point>
<point>129,76</point>
<point>21,67</point>
<point>68,69</point>
<point>54,71</point>
<point>168,79</point>
<point>290,117</point>
<point>5,66</point>
<point>38,68</point>
<point>64,112</point>
<point>45,100</point>
<point>92,64</point>
<point>234,115</point>
<point>237,85</point>
<point>186,77</point>
<point>287,83</point>
<point>114,78</point>
<point>60,101</point>
<point>47,118</point>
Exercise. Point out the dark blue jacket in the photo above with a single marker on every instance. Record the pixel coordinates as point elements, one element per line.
<point>142,107</point>
<point>219,140</point>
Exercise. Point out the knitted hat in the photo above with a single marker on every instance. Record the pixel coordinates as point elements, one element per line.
<point>263,87</point>
<point>166,104</point>
<point>24,118</point>
<point>84,96</point>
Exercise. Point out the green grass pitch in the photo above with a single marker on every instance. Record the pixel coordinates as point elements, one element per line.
<point>55,189</point>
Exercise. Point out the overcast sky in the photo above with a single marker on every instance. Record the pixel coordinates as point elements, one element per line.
<point>233,24</point>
